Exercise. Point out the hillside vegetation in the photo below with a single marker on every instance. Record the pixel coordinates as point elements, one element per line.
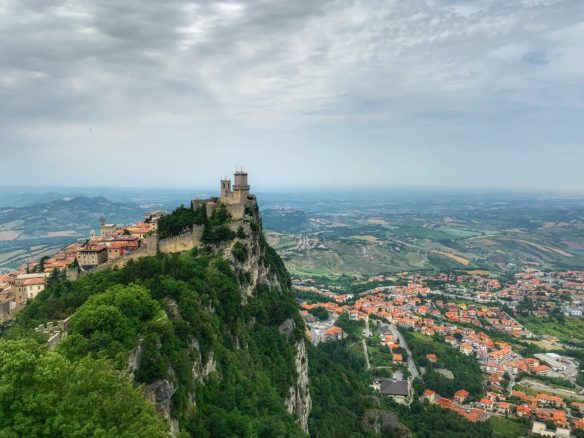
<point>178,326</point>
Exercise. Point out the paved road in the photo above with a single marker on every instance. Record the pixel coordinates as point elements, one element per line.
<point>366,352</point>
<point>511,384</point>
<point>561,392</point>
<point>402,342</point>
<point>367,329</point>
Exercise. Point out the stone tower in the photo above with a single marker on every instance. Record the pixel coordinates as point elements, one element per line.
<point>235,197</point>
<point>240,186</point>
<point>225,188</point>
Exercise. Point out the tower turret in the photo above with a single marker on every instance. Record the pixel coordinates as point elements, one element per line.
<point>240,182</point>
<point>240,187</point>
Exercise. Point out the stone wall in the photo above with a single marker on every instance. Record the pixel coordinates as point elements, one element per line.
<point>237,211</point>
<point>184,242</point>
<point>153,245</point>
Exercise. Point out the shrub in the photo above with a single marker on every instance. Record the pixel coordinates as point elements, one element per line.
<point>239,251</point>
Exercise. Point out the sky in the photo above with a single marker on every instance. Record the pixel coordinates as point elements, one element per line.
<point>304,93</point>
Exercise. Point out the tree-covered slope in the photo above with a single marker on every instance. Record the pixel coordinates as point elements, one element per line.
<point>215,359</point>
<point>46,394</point>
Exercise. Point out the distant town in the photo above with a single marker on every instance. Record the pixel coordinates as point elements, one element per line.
<point>474,314</point>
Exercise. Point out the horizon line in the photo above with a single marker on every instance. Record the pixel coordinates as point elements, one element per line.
<point>262,188</point>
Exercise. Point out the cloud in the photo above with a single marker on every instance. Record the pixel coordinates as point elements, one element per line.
<point>193,67</point>
<point>537,58</point>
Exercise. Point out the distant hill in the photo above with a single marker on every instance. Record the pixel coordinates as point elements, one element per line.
<point>19,197</point>
<point>420,232</point>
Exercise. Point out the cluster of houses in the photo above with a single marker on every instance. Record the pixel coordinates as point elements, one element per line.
<point>115,241</point>
<point>16,289</point>
<point>414,306</point>
<point>488,317</point>
<point>548,291</point>
<point>542,408</point>
<point>457,404</point>
<point>23,285</point>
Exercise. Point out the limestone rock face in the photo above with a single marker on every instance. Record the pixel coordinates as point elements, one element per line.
<point>299,402</point>
<point>202,370</point>
<point>160,394</point>
<point>134,360</point>
<point>253,265</point>
<point>381,422</point>
<point>287,328</point>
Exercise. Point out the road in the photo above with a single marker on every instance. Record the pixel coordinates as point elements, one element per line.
<point>561,392</point>
<point>402,342</point>
<point>366,352</point>
<point>511,384</point>
<point>367,329</point>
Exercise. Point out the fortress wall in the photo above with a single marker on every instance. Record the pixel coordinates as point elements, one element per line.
<point>237,211</point>
<point>152,245</point>
<point>184,242</point>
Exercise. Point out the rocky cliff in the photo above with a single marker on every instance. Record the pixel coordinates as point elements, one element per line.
<point>257,268</point>
<point>299,401</point>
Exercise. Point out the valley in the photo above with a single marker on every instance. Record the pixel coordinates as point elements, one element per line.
<point>423,232</point>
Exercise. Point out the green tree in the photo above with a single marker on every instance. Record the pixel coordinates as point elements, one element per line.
<point>45,395</point>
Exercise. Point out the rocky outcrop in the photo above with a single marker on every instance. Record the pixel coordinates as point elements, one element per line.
<point>287,328</point>
<point>255,270</point>
<point>298,401</point>
<point>134,360</point>
<point>202,370</point>
<point>160,393</point>
<point>253,262</point>
<point>387,423</point>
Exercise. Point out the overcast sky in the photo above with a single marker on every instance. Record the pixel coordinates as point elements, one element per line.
<point>302,93</point>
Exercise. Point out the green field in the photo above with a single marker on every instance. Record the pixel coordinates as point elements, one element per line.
<point>571,330</point>
<point>425,233</point>
<point>505,428</point>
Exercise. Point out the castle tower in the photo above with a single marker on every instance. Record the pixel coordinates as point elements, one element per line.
<point>240,181</point>
<point>106,230</point>
<point>240,186</point>
<point>225,188</point>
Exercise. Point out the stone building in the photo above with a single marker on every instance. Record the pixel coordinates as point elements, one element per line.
<point>7,305</point>
<point>235,197</point>
<point>106,230</point>
<point>28,286</point>
<point>92,256</point>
